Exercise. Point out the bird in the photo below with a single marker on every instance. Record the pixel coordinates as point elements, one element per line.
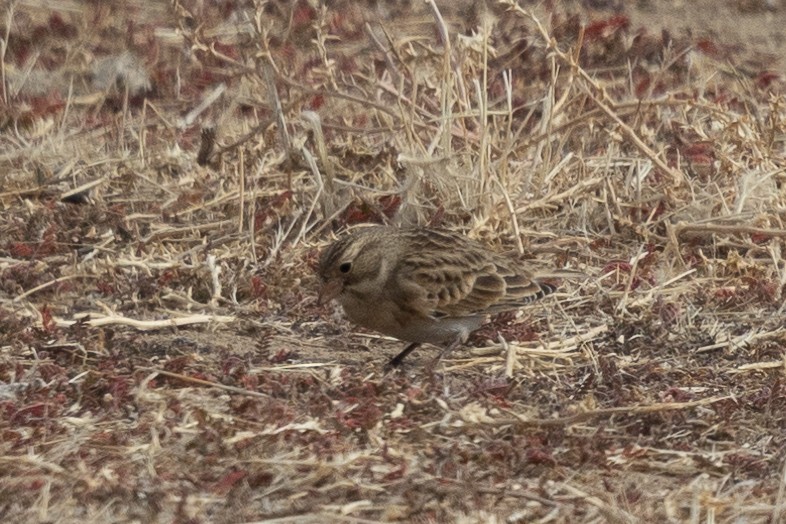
<point>422,285</point>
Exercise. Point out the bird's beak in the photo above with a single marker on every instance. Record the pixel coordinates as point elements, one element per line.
<point>330,290</point>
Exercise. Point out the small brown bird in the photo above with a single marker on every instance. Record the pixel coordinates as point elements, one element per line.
<point>422,285</point>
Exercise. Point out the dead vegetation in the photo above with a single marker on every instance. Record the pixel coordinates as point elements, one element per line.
<point>170,171</point>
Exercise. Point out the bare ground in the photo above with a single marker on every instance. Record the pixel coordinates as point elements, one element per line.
<point>162,357</point>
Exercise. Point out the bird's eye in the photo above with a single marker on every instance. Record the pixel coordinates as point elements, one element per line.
<point>345,267</point>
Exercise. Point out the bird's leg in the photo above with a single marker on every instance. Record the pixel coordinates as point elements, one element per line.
<point>396,361</point>
<point>446,351</point>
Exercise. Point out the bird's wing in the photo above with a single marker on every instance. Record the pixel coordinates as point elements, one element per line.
<point>446,274</point>
<point>521,288</point>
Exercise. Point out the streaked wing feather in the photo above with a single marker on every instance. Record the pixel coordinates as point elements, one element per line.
<point>522,288</point>
<point>458,277</point>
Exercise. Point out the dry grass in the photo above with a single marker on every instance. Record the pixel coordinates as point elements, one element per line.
<point>171,169</point>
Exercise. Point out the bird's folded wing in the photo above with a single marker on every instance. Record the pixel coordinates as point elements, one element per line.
<point>451,291</point>
<point>520,289</point>
<point>458,278</point>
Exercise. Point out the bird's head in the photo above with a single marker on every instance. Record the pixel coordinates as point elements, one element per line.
<point>355,263</point>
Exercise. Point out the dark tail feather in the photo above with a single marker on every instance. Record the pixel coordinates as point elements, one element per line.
<point>545,289</point>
